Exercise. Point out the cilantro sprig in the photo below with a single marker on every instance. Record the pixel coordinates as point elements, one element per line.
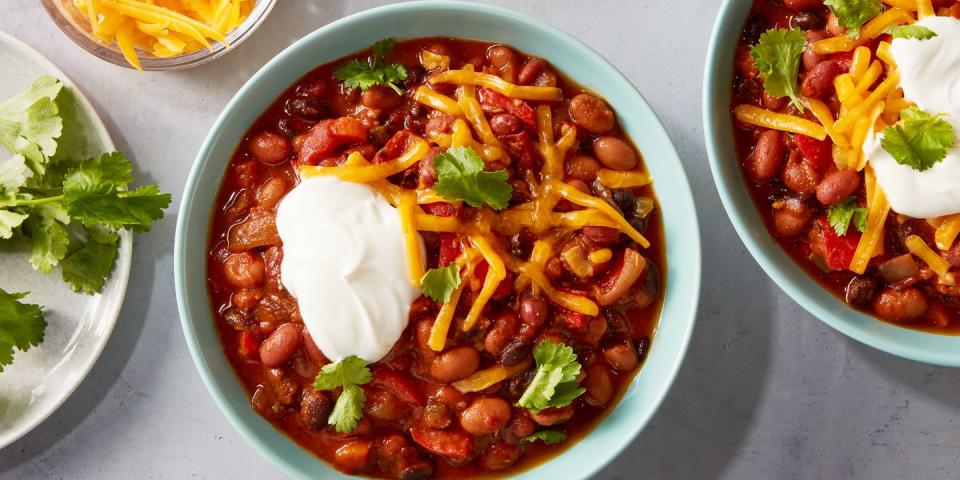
<point>460,176</point>
<point>550,437</point>
<point>440,283</point>
<point>852,14</point>
<point>30,123</point>
<point>915,32</point>
<point>841,214</point>
<point>347,374</point>
<point>374,71</point>
<point>21,325</point>
<point>555,383</point>
<point>921,141</point>
<point>777,57</point>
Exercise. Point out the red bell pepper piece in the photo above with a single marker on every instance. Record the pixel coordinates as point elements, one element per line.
<point>399,385</point>
<point>818,152</point>
<point>450,249</point>
<point>454,445</point>
<point>440,209</point>
<point>327,136</point>
<point>249,345</point>
<point>492,101</point>
<point>838,250</point>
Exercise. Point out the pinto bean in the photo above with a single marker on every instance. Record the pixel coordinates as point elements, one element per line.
<point>618,281</point>
<point>500,333</point>
<point>553,415</point>
<point>500,455</point>
<point>531,70</point>
<point>485,415</point>
<point>599,385</point>
<point>277,349</point>
<point>621,356</point>
<point>505,124</point>
<point>245,270</point>
<point>799,175</point>
<point>583,167</point>
<point>270,148</point>
<point>811,58</point>
<point>504,61</point>
<point>837,186</point>
<point>380,98</point>
<point>592,113</point>
<point>792,218</point>
<point>764,163</point>
<point>615,153</point>
<point>521,426</point>
<point>900,306</point>
<point>315,407</point>
<point>455,364</point>
<point>383,405</point>
<point>818,82</point>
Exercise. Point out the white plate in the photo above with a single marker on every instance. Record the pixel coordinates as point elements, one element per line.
<point>78,326</point>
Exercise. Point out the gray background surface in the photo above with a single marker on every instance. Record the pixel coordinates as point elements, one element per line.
<point>766,391</point>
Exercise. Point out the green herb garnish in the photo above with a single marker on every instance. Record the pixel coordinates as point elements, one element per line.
<point>777,57</point>
<point>550,437</point>
<point>915,32</point>
<point>921,141</point>
<point>347,374</point>
<point>440,283</point>
<point>21,326</point>
<point>852,14</point>
<point>555,383</point>
<point>840,215</point>
<point>374,71</point>
<point>460,176</point>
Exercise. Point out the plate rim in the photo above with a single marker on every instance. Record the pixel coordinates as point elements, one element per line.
<point>121,270</point>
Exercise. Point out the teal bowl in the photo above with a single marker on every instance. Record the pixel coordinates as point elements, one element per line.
<point>718,128</point>
<point>421,19</point>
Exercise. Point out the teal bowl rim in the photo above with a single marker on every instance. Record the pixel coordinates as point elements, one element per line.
<point>718,127</point>
<point>649,386</point>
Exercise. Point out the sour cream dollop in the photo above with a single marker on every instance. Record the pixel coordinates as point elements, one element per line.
<point>930,77</point>
<point>344,261</point>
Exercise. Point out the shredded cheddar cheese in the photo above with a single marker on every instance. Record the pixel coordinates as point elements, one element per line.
<point>760,117</point>
<point>493,82</point>
<point>947,232</point>
<point>163,28</point>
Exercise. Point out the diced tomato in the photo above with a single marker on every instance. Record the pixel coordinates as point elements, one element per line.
<point>440,209</point>
<point>450,249</point>
<point>250,345</point>
<point>571,320</point>
<point>818,152</point>
<point>492,101</point>
<point>393,148</point>
<point>838,251</point>
<point>325,137</point>
<point>454,445</point>
<point>398,385</point>
<point>520,147</point>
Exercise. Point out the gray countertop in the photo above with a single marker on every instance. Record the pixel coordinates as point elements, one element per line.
<point>766,390</point>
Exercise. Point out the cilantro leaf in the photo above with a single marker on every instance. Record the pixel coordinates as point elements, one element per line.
<point>10,220</point>
<point>30,122</point>
<point>21,326</point>
<point>852,14</point>
<point>49,240</point>
<point>921,141</point>
<point>86,269</point>
<point>439,283</point>
<point>550,437</point>
<point>915,32</point>
<point>460,176</point>
<point>375,71</point>
<point>346,374</point>
<point>554,384</point>
<point>839,216</point>
<point>777,57</point>
<point>13,174</point>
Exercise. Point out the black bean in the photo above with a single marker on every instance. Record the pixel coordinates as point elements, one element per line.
<point>600,190</point>
<point>807,20</point>
<point>639,224</point>
<point>514,352</point>
<point>238,319</point>
<point>519,383</point>
<point>414,76</point>
<point>625,199</point>
<point>861,290</point>
<point>643,346</point>
<point>379,135</point>
<point>308,108</point>
<point>756,25</point>
<point>315,406</point>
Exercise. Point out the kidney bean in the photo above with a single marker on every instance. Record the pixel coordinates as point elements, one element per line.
<point>803,4</point>
<point>505,124</point>
<point>771,101</point>
<point>245,270</point>
<point>455,364</point>
<point>270,148</point>
<point>599,385</point>
<point>900,306</point>
<point>553,416</point>
<point>615,153</point>
<point>379,97</point>
<point>353,456</point>
<point>592,113</point>
<point>277,349</point>
<point>485,415</point>
<point>582,167</point>
<point>764,163</point>
<point>836,186</point>
<point>500,333</point>
<point>818,82</point>
<point>531,70</point>
<point>799,175</point>
<point>861,290</point>
<point>792,218</point>
<point>621,356</point>
<point>315,407</point>
<point>553,269</point>
<point>811,58</point>
<point>504,61</point>
<point>533,309</point>
<point>500,455</point>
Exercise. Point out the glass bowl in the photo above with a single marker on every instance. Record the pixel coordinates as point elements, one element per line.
<point>75,26</point>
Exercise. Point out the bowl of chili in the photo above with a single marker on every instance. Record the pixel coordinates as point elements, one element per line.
<point>681,263</point>
<point>816,263</point>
